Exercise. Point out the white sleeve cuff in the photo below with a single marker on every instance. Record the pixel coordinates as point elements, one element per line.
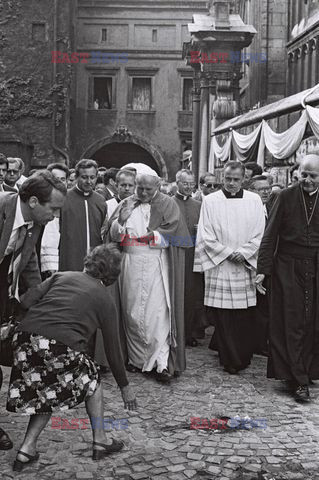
<point>159,241</point>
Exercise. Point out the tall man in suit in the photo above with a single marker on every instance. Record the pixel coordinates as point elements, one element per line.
<point>21,217</point>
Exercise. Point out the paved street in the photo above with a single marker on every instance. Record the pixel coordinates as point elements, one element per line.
<point>159,443</point>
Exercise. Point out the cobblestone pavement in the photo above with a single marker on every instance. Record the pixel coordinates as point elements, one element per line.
<point>160,446</point>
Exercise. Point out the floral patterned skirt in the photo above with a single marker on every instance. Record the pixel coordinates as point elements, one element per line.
<point>48,376</point>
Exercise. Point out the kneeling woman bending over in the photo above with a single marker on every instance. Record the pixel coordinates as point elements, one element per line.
<point>53,361</point>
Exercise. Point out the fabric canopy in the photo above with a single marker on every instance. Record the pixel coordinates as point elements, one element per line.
<point>252,146</point>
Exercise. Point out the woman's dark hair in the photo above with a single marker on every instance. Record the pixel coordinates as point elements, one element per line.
<point>104,262</point>
<point>40,185</point>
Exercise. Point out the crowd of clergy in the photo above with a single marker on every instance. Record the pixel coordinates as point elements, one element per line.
<point>241,255</point>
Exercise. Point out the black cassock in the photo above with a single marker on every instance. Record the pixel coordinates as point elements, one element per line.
<point>73,240</point>
<point>194,282</point>
<point>289,254</point>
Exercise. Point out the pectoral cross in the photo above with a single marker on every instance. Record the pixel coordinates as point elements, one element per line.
<point>237,272</point>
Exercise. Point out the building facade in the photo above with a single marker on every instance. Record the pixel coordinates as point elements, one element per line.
<point>129,99</point>
<point>134,102</point>
<point>302,46</point>
<point>278,91</point>
<point>264,82</point>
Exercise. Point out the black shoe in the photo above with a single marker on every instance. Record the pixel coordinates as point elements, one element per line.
<point>301,394</point>
<point>18,466</point>
<point>5,442</point>
<point>104,370</point>
<point>107,449</point>
<point>163,377</point>
<point>231,370</point>
<point>132,369</point>
<point>192,342</point>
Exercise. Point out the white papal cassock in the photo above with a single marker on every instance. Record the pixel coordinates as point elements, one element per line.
<point>144,290</point>
<point>227,225</point>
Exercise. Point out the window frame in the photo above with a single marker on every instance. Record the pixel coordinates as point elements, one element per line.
<point>182,90</point>
<point>140,73</point>
<point>46,36</point>
<point>106,32</point>
<point>95,73</point>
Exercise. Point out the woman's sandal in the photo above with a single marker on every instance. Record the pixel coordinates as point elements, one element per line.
<point>18,466</point>
<point>115,446</point>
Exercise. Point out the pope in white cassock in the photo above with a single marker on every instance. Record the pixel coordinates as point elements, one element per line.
<point>230,230</point>
<point>150,230</point>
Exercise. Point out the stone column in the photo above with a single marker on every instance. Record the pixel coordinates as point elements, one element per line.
<point>299,72</point>
<point>204,126</point>
<point>314,60</point>
<point>291,73</point>
<point>306,73</point>
<point>215,37</point>
<point>196,123</point>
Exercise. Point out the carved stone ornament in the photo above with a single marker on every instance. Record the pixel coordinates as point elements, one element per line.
<point>122,134</point>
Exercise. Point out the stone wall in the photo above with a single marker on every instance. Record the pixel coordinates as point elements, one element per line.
<point>33,102</point>
<point>266,82</point>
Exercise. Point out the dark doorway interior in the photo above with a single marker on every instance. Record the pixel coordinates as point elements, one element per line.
<point>119,154</point>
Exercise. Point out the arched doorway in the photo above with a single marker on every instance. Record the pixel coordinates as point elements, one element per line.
<point>119,154</point>
<point>123,147</point>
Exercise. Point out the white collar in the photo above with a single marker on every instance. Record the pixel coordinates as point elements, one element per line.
<point>85,194</point>
<point>19,220</point>
<point>110,191</point>
<point>313,193</point>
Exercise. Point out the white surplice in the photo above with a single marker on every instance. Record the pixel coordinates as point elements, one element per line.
<point>144,290</point>
<point>225,226</point>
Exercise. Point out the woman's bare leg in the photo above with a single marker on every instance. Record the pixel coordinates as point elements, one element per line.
<point>37,423</point>
<point>95,410</point>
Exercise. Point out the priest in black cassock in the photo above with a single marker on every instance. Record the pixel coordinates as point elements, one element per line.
<point>289,254</point>
<point>194,282</point>
<point>82,218</point>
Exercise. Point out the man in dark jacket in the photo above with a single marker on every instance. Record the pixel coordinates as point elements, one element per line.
<point>21,217</point>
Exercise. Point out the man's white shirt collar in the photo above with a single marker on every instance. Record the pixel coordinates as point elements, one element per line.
<point>19,221</point>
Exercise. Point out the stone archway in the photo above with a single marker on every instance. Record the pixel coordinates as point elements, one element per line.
<point>124,147</point>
